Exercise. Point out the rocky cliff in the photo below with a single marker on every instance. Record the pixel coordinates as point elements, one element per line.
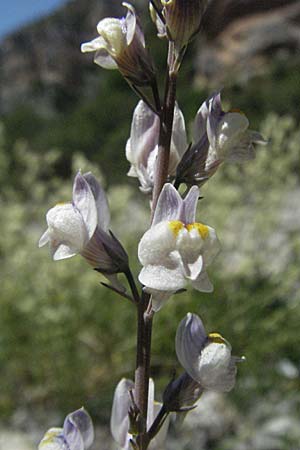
<point>42,63</point>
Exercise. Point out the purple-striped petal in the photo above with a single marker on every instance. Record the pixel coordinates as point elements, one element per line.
<point>191,338</point>
<point>84,201</point>
<point>188,214</point>
<point>103,212</point>
<point>169,205</point>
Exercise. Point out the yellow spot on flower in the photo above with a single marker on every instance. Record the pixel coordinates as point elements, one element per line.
<point>61,203</point>
<point>216,338</point>
<point>200,227</point>
<point>176,226</point>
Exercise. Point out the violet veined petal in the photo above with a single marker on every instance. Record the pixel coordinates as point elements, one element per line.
<point>179,138</point>
<point>44,239</point>
<point>190,340</point>
<point>161,278</point>
<point>188,214</point>
<point>119,422</point>
<point>72,435</point>
<point>144,134</point>
<point>130,22</point>
<point>200,121</point>
<point>202,283</point>
<point>103,212</point>
<point>84,201</point>
<point>168,206</point>
<point>215,115</point>
<point>82,421</point>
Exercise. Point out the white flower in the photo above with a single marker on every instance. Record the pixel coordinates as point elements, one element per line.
<point>228,134</point>
<point>176,249</point>
<point>81,226</point>
<point>206,358</point>
<point>218,137</point>
<point>119,423</point>
<point>142,146</point>
<point>121,45</point>
<point>76,434</point>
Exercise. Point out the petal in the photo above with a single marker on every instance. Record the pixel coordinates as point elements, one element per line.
<point>143,134</point>
<point>72,435</point>
<point>156,244</point>
<point>216,369</point>
<point>82,421</point>
<point>193,269</point>
<point>161,278</point>
<point>119,422</point>
<point>159,298</point>
<point>211,247</point>
<point>179,138</point>
<point>168,206</point>
<point>94,45</point>
<point>105,60</point>
<point>45,238</point>
<point>200,121</point>
<point>190,202</point>
<point>215,115</point>
<point>190,340</point>
<point>53,440</point>
<point>150,413</point>
<point>202,283</point>
<point>62,251</point>
<point>84,201</point>
<point>130,22</point>
<point>66,226</point>
<point>103,212</point>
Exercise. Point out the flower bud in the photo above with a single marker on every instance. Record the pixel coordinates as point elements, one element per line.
<point>121,45</point>
<point>206,358</point>
<point>181,394</point>
<point>182,20</point>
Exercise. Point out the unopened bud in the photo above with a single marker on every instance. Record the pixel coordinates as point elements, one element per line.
<point>181,394</point>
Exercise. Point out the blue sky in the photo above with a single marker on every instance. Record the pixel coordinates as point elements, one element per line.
<point>15,13</point>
